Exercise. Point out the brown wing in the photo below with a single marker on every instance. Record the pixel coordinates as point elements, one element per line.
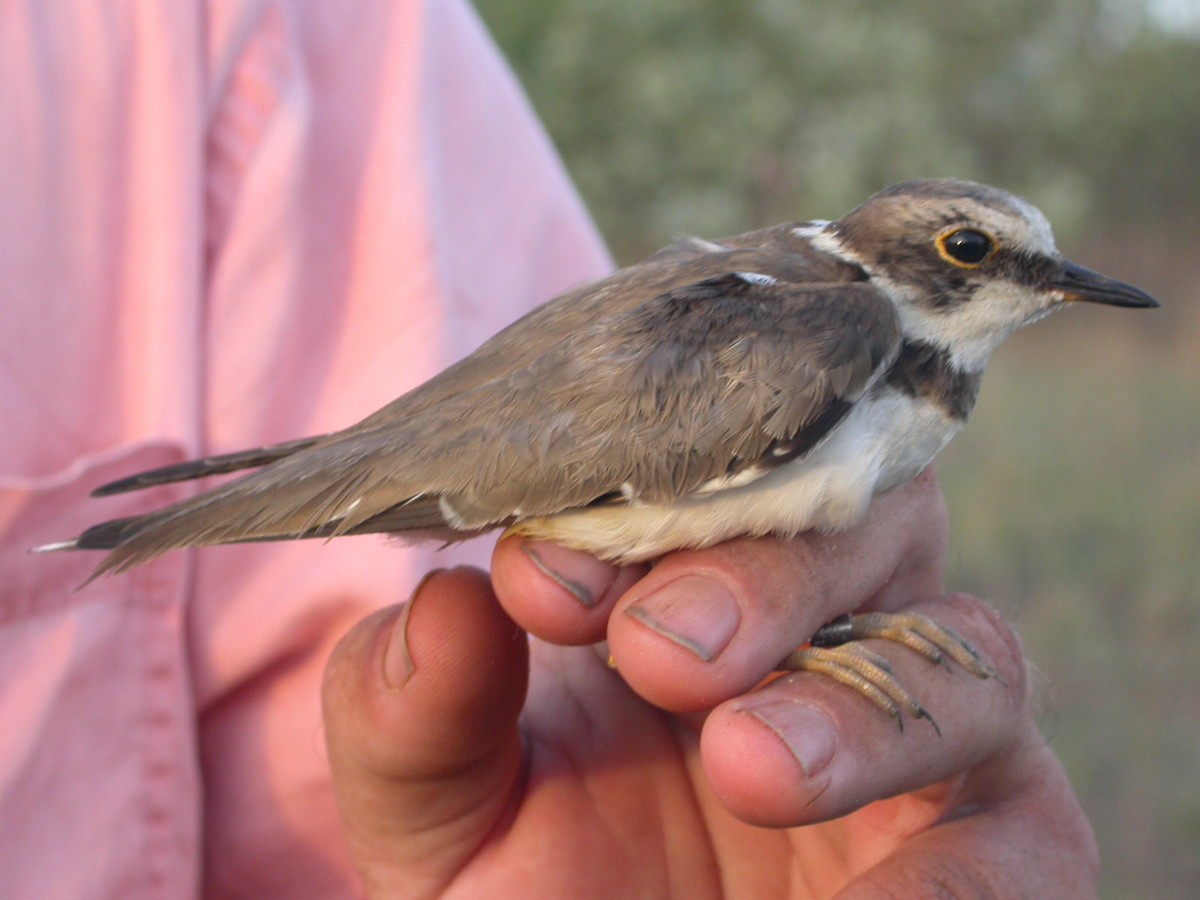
<point>777,250</point>
<point>726,375</point>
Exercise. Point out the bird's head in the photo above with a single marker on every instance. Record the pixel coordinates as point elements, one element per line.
<point>966,264</point>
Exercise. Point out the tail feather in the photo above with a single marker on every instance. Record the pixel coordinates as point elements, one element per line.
<point>232,515</point>
<point>202,468</point>
<point>360,483</point>
<point>107,535</point>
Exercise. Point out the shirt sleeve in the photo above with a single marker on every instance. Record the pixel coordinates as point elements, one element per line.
<point>287,214</point>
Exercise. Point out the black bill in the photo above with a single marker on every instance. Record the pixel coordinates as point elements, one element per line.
<point>1079,283</point>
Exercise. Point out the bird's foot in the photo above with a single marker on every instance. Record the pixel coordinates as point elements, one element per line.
<point>833,651</point>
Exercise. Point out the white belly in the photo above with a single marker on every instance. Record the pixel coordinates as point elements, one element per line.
<point>882,443</point>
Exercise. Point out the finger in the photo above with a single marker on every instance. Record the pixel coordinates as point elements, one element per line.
<point>704,626</point>
<point>821,750</point>
<point>563,596</point>
<point>1012,811</point>
<point>420,705</point>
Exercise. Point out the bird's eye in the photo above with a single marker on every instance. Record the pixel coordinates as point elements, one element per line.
<point>965,247</point>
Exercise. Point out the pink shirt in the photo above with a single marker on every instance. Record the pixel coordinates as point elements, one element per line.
<point>223,224</point>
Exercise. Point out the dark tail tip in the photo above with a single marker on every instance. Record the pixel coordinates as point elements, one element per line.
<point>106,535</point>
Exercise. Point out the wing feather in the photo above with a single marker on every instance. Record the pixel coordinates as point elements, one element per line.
<point>641,388</point>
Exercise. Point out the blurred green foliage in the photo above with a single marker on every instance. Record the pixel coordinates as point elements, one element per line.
<point>1075,490</point>
<point>714,117</point>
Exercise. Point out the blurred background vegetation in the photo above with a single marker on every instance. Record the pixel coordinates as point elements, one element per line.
<point>1075,491</point>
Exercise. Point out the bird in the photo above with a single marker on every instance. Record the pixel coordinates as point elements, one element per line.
<point>766,383</point>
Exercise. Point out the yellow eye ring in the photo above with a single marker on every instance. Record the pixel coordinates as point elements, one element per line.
<point>967,248</point>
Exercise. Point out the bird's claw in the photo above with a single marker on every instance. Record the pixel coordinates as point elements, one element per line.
<point>834,651</point>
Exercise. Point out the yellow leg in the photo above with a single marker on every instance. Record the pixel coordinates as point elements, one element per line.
<point>834,652</point>
<point>864,671</point>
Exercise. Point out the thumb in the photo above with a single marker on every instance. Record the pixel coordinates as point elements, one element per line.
<point>421,704</point>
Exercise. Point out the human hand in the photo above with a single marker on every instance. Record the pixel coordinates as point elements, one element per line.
<point>452,782</point>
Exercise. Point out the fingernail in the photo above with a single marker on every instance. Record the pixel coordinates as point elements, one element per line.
<point>582,576</point>
<point>806,731</point>
<point>697,613</point>
<point>398,665</point>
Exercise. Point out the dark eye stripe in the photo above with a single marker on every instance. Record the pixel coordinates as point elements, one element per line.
<point>1023,267</point>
